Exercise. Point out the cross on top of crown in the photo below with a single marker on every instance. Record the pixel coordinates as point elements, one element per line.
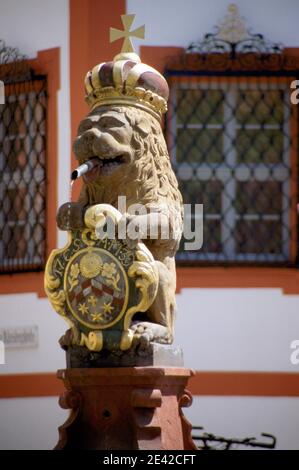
<point>127,21</point>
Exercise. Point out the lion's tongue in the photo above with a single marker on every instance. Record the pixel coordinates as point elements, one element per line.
<point>94,173</point>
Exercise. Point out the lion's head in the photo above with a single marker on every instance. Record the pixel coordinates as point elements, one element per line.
<point>135,162</point>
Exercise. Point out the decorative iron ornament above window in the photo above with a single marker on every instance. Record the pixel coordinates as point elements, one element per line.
<point>14,66</point>
<point>234,46</point>
<point>233,36</point>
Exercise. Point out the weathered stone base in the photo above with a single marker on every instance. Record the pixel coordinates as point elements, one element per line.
<point>155,355</point>
<point>126,408</point>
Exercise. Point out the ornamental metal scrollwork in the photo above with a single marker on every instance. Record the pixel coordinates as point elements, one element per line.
<point>14,66</point>
<point>233,46</point>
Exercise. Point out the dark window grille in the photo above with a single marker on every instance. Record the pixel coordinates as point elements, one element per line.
<point>22,169</point>
<point>232,134</point>
<point>209,441</point>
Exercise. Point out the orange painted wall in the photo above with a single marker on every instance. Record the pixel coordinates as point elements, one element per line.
<point>212,383</point>
<point>90,21</point>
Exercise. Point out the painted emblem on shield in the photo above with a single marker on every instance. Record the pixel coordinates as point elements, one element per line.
<point>96,287</point>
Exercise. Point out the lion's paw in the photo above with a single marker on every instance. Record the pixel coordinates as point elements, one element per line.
<point>146,333</point>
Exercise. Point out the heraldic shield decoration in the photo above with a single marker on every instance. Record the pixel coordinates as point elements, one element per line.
<point>98,283</point>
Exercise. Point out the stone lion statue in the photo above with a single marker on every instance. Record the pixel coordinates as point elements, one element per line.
<point>123,131</point>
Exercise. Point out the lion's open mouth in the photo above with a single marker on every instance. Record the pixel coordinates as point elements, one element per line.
<point>104,166</point>
<point>112,161</point>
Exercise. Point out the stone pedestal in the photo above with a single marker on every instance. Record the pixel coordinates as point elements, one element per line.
<point>154,355</point>
<point>125,408</point>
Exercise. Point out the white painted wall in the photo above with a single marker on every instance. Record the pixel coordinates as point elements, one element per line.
<point>27,309</point>
<point>32,423</point>
<point>248,417</point>
<point>219,329</point>
<point>237,329</point>
<point>178,23</point>
<point>253,332</point>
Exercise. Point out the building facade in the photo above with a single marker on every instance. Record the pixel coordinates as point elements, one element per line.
<point>236,321</point>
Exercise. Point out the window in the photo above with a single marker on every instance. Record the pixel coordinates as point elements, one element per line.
<point>23,175</point>
<point>232,133</point>
<point>232,152</point>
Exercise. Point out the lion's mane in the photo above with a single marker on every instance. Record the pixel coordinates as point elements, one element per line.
<point>148,180</point>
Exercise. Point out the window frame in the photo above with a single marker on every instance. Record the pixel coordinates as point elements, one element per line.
<point>13,93</point>
<point>289,228</point>
<point>46,63</point>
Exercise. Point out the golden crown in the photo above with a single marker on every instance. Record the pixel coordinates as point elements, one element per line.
<point>125,80</point>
